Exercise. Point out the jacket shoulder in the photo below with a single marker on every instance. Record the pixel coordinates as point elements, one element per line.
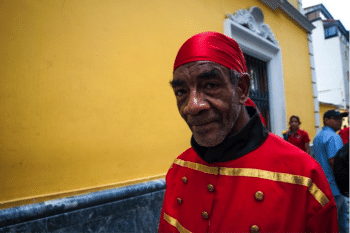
<point>188,155</point>
<point>278,155</point>
<point>276,146</point>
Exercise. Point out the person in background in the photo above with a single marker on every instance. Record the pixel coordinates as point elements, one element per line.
<point>341,170</point>
<point>296,136</point>
<point>326,145</point>
<point>236,177</point>
<point>344,135</point>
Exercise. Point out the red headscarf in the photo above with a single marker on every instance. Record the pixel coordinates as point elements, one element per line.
<point>212,46</point>
<point>216,47</point>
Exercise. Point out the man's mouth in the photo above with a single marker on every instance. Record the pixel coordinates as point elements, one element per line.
<point>203,127</point>
<point>201,124</point>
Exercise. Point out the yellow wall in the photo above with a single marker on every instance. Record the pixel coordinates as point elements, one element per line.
<point>85,95</point>
<point>297,76</point>
<point>345,122</point>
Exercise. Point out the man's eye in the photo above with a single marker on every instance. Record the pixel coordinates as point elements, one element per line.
<point>180,92</point>
<point>211,85</point>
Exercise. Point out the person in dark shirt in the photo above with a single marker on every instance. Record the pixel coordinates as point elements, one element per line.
<point>341,170</point>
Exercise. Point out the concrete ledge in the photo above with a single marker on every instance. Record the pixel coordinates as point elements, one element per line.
<point>135,207</point>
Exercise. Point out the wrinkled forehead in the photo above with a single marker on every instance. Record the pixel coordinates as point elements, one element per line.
<point>200,68</point>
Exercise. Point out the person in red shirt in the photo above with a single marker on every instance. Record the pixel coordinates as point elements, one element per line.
<point>296,136</point>
<point>344,134</point>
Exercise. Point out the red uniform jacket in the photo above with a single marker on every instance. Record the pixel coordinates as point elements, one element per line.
<point>274,188</point>
<point>344,134</point>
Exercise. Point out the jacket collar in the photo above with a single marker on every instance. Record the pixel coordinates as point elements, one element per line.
<point>328,128</point>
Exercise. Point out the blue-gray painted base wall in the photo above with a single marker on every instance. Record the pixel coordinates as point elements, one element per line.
<point>134,208</point>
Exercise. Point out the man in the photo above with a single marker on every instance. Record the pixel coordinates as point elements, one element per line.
<point>344,135</point>
<point>326,145</point>
<point>296,136</point>
<point>341,170</point>
<point>236,177</point>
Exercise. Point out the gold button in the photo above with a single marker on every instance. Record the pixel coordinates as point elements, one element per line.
<point>259,196</point>
<point>179,200</point>
<point>205,215</point>
<point>254,229</point>
<point>184,179</point>
<point>210,187</point>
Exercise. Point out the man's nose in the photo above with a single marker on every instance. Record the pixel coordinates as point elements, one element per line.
<point>195,104</point>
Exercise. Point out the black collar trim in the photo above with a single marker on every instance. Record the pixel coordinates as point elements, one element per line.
<point>250,137</point>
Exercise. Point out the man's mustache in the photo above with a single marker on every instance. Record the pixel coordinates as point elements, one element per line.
<point>201,119</point>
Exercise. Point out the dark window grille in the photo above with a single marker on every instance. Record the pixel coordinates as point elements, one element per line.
<point>259,92</point>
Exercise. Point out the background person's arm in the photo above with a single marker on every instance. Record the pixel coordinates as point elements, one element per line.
<point>307,147</point>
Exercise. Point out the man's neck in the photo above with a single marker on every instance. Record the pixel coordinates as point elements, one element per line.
<point>241,121</point>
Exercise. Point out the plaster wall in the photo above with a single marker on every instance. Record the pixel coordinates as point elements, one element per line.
<point>329,67</point>
<point>85,95</point>
<point>297,77</point>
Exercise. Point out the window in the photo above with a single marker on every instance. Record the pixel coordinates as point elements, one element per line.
<point>330,32</point>
<point>259,92</point>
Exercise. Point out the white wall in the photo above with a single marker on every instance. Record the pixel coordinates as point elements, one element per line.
<point>328,66</point>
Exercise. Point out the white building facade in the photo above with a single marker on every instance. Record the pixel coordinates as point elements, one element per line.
<point>330,51</point>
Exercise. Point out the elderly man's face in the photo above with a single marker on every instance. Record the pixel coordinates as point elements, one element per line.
<point>207,100</point>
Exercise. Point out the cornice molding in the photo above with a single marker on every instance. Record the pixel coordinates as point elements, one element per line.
<point>290,10</point>
<point>273,4</point>
<point>296,16</point>
<point>253,19</point>
<point>319,7</point>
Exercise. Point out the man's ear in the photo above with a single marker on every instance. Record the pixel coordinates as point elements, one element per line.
<point>244,86</point>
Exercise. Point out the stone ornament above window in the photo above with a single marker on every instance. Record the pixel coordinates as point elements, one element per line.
<point>254,20</point>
